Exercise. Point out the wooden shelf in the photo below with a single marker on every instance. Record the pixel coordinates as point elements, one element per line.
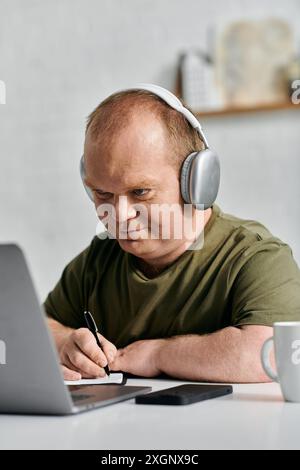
<point>258,108</point>
<point>249,109</point>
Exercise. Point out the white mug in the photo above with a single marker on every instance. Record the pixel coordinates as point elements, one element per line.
<point>287,356</point>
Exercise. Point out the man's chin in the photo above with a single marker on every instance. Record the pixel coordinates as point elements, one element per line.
<point>137,247</point>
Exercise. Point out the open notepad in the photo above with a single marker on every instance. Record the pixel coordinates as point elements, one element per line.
<point>116,378</point>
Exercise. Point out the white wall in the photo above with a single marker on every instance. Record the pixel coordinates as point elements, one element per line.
<point>59,58</point>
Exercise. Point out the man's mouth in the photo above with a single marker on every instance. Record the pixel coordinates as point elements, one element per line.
<point>130,232</point>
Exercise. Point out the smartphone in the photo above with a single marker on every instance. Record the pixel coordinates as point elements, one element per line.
<point>184,394</point>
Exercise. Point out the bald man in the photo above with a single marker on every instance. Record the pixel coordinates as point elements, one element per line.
<point>161,305</point>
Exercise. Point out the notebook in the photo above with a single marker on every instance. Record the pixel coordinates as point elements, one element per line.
<point>113,378</point>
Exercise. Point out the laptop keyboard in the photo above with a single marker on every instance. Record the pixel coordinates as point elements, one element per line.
<point>78,397</point>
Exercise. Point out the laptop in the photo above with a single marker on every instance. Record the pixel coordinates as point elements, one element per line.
<point>31,380</point>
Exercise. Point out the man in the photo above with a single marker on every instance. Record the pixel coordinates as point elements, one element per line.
<point>161,306</point>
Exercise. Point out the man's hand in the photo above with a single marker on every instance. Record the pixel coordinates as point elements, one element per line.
<point>81,357</point>
<point>78,351</point>
<point>139,358</point>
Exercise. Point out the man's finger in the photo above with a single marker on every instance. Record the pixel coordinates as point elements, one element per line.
<point>86,342</point>
<point>84,365</point>
<point>70,374</point>
<point>109,348</point>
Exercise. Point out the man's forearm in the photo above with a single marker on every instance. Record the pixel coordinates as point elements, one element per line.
<point>229,355</point>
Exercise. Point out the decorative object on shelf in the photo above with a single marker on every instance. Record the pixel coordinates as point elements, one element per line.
<point>250,67</point>
<point>251,58</point>
<point>292,74</point>
<point>198,87</point>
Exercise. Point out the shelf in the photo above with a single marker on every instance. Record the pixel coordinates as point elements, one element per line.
<point>249,109</point>
<point>258,108</point>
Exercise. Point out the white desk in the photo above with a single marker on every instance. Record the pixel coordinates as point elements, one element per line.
<point>255,417</point>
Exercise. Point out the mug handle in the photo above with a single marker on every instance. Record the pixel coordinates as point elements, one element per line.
<point>265,359</point>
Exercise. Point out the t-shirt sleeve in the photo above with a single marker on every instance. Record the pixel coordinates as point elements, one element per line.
<point>267,288</point>
<point>65,302</point>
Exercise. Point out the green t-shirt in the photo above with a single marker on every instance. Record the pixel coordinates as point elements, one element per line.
<point>243,275</point>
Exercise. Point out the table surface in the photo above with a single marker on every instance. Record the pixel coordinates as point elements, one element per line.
<point>254,417</point>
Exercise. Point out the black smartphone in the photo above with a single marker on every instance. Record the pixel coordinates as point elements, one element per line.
<point>184,394</point>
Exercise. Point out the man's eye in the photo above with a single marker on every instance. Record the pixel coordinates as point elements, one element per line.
<point>141,192</point>
<point>102,194</point>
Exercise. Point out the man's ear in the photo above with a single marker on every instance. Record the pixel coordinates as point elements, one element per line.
<point>82,175</point>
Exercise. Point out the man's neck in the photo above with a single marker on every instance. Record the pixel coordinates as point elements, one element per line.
<point>154,267</point>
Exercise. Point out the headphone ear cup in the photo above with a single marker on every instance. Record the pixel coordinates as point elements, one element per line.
<point>185,177</point>
<point>200,179</point>
<point>82,174</point>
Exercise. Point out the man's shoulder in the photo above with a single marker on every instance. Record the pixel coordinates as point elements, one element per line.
<point>243,238</point>
<point>250,228</point>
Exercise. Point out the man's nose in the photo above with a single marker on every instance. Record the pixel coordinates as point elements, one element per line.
<point>124,210</point>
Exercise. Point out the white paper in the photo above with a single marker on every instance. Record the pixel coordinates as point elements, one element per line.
<point>111,379</point>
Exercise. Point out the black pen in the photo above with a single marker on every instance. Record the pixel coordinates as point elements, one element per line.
<point>91,324</point>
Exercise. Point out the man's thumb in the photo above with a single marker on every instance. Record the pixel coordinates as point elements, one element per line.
<point>118,363</point>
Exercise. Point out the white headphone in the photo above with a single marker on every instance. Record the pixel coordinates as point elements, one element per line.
<point>200,171</point>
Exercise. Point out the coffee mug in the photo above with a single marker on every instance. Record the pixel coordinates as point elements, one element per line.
<point>287,356</point>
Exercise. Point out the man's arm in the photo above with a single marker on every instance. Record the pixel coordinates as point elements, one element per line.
<point>229,355</point>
